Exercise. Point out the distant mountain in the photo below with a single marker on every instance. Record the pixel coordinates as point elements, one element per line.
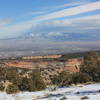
<point>62,37</point>
<point>58,36</point>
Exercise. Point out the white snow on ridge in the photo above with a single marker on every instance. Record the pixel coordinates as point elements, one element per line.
<point>92,91</point>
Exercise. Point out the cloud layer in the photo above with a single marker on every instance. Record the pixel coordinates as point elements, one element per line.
<point>70,11</point>
<point>54,23</point>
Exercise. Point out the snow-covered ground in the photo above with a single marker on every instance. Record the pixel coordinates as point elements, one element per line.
<point>71,93</point>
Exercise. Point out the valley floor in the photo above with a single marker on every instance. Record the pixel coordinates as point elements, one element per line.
<point>91,92</point>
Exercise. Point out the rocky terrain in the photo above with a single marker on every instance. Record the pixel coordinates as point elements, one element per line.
<point>47,68</point>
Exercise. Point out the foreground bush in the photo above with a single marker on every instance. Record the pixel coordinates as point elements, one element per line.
<point>25,84</point>
<point>65,78</point>
<point>2,87</point>
<point>92,71</point>
<point>84,97</point>
<point>28,80</point>
<point>12,88</point>
<point>9,74</point>
<point>12,75</point>
<point>80,78</point>
<point>62,79</point>
<point>34,82</point>
<point>91,66</point>
<point>37,82</point>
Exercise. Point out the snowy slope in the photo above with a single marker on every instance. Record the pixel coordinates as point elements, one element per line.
<point>71,93</point>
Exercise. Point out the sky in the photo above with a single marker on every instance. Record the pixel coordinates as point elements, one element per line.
<point>57,19</point>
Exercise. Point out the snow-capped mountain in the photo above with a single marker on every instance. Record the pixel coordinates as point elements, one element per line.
<point>62,36</point>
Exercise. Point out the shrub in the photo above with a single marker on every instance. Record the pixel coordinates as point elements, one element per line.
<point>80,78</point>
<point>34,81</point>
<point>93,71</point>
<point>63,98</point>
<point>37,81</point>
<point>65,78</point>
<point>91,66</point>
<point>84,97</point>
<point>62,79</point>
<point>12,75</point>
<point>2,74</point>
<point>12,88</point>
<point>25,84</point>
<point>2,87</point>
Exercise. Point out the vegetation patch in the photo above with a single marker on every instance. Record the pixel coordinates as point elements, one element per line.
<point>2,87</point>
<point>12,88</point>
<point>84,97</point>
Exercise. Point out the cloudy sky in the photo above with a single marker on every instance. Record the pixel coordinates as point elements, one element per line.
<point>50,18</point>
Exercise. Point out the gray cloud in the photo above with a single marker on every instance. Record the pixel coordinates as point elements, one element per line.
<point>4,22</point>
<point>75,25</point>
<point>83,25</point>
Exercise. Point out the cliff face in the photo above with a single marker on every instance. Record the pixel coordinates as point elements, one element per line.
<point>48,68</point>
<point>71,65</point>
<point>41,57</point>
